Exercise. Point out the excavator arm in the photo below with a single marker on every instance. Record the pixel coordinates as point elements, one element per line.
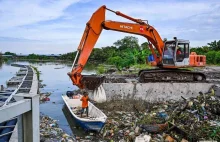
<point>93,30</point>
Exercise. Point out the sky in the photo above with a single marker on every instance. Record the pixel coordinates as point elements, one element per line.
<point>56,26</point>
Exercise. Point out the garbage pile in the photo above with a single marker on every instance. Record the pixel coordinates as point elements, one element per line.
<point>44,97</point>
<point>189,119</point>
<point>50,131</point>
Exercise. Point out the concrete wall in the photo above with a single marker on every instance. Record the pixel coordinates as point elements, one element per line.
<point>154,91</point>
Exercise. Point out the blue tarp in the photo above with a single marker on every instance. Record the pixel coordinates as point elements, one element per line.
<point>150,58</point>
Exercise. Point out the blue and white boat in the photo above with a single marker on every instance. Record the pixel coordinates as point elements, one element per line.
<point>94,122</point>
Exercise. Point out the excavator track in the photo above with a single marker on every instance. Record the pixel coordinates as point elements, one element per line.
<point>170,75</point>
<point>92,82</point>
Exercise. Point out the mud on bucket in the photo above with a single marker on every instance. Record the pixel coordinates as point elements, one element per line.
<point>92,82</point>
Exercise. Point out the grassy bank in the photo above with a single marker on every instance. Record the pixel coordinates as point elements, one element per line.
<point>37,72</point>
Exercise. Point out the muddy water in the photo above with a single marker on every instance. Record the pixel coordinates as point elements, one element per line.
<point>54,76</point>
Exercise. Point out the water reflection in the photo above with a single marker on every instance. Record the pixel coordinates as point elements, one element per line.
<point>1,62</point>
<point>88,67</point>
<point>78,131</point>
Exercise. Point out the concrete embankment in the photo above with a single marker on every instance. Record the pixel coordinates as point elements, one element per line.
<point>154,91</point>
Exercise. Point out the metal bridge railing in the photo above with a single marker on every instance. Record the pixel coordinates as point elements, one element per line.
<point>25,110</point>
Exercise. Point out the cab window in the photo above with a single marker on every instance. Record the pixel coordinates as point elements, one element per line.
<point>182,51</point>
<point>186,50</point>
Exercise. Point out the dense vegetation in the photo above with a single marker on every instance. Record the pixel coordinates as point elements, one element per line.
<point>127,52</point>
<point>39,57</point>
<point>9,53</point>
<point>123,53</point>
<point>33,56</point>
<point>211,50</point>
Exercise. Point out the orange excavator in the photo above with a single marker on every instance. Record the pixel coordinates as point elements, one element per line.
<point>171,55</point>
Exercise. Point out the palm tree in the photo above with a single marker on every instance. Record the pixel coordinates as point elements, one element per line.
<point>215,45</point>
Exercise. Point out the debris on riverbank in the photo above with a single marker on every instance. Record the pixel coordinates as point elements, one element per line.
<point>44,97</point>
<point>59,67</point>
<point>189,119</point>
<point>42,85</point>
<point>50,131</point>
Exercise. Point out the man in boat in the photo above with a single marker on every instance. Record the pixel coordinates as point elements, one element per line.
<point>85,100</point>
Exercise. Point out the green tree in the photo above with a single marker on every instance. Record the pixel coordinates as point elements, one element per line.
<point>98,55</point>
<point>128,57</point>
<point>143,54</point>
<point>210,57</point>
<point>117,61</point>
<point>217,57</point>
<point>215,45</point>
<point>10,53</point>
<point>205,49</point>
<point>68,56</point>
<point>127,42</point>
<point>110,51</point>
<point>199,50</point>
<point>144,45</point>
<point>33,56</point>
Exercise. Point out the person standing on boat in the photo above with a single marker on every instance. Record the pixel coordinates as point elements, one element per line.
<point>85,100</point>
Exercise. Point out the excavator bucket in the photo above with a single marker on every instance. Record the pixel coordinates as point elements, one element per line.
<point>92,82</point>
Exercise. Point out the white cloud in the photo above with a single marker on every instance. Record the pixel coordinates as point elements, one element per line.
<point>162,10</point>
<point>59,25</point>
<point>23,12</point>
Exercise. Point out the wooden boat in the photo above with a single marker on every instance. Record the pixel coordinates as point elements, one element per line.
<point>94,122</point>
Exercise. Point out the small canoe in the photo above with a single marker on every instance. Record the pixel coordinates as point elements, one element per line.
<point>96,118</point>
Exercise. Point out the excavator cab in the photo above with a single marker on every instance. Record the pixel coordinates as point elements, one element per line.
<point>176,53</point>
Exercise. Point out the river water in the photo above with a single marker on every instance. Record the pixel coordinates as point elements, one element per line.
<point>54,76</point>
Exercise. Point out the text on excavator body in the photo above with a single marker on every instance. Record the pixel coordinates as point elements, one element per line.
<point>126,27</point>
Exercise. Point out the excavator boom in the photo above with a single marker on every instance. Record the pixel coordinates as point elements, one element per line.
<point>93,30</point>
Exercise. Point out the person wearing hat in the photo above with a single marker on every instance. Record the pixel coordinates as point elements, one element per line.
<point>85,100</point>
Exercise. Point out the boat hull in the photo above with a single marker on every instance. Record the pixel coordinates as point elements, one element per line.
<point>87,125</point>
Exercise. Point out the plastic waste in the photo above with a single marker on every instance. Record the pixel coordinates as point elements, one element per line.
<point>145,138</point>
<point>169,139</point>
<point>154,128</point>
<point>52,125</point>
<point>163,115</point>
<point>99,94</point>
<point>47,99</point>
